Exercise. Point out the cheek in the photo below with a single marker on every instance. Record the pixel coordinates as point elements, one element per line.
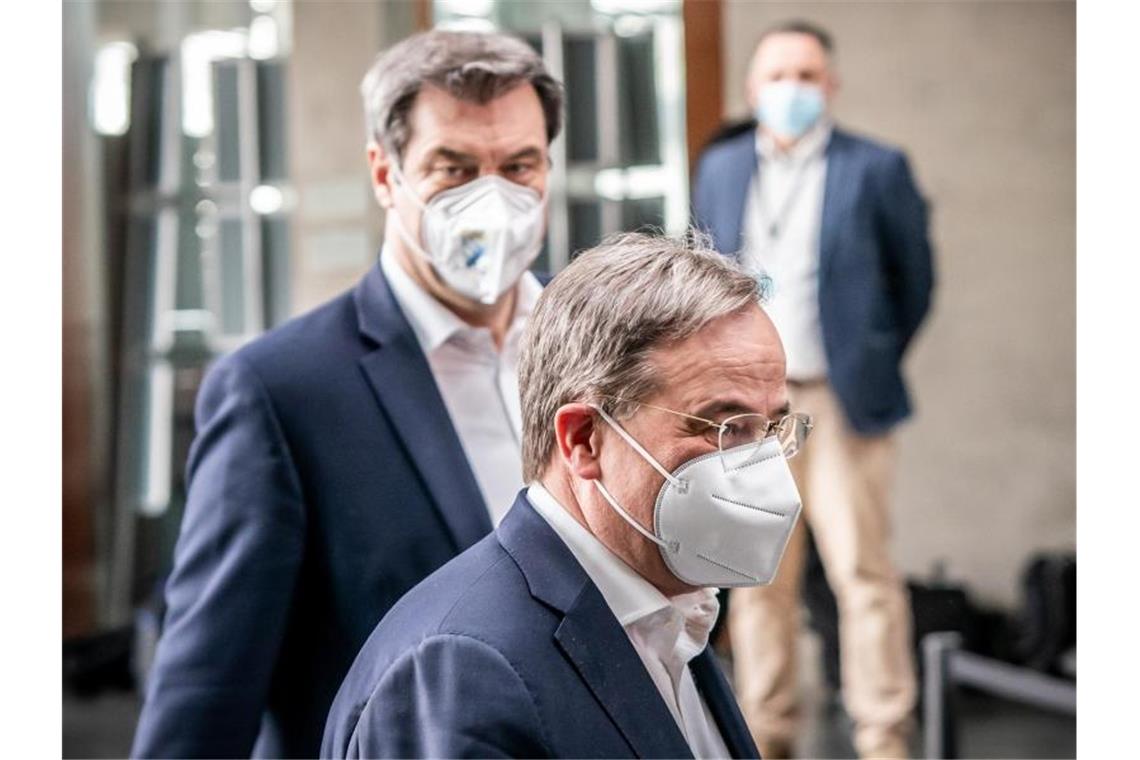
<point>410,214</point>
<point>635,483</point>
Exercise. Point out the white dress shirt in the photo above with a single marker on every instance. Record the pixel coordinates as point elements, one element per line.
<point>666,633</point>
<point>479,384</point>
<point>782,220</point>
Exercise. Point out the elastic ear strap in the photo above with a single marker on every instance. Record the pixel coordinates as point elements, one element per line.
<point>626,516</point>
<point>403,183</point>
<point>636,446</point>
<point>402,231</point>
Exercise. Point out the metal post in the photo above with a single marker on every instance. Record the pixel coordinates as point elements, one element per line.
<point>938,708</point>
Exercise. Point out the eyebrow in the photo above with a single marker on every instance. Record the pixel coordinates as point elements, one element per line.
<point>725,408</point>
<point>449,155</point>
<point>459,157</point>
<point>722,408</point>
<point>531,152</point>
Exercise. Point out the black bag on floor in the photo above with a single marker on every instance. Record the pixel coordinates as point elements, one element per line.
<point>1047,623</point>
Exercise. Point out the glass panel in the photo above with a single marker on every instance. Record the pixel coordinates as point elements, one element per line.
<point>640,136</point>
<point>226,121</point>
<point>535,41</point>
<point>275,244</point>
<point>272,146</point>
<point>231,271</point>
<point>581,99</point>
<point>147,86</point>
<point>585,225</point>
<point>541,264</point>
<point>642,212</point>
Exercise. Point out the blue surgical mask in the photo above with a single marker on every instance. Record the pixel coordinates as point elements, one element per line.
<point>790,109</point>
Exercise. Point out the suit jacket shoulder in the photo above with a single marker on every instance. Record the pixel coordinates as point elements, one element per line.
<point>510,650</point>
<point>442,675</point>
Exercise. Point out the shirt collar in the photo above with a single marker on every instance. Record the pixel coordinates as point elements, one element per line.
<point>675,629</point>
<point>811,144</point>
<point>432,322</point>
<point>629,596</point>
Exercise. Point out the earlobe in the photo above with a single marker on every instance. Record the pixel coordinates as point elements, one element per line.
<point>578,440</point>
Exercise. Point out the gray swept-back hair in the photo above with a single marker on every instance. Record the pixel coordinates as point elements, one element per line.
<point>595,327</point>
<point>472,66</point>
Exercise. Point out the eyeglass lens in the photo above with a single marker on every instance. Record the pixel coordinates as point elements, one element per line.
<point>741,436</point>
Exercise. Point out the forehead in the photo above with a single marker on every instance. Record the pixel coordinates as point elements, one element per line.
<point>737,358</point>
<point>789,49</point>
<point>502,126</point>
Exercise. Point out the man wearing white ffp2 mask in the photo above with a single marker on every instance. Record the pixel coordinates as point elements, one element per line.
<point>347,455</point>
<point>465,196</point>
<point>655,431</point>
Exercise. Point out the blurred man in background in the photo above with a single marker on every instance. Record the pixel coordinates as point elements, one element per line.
<point>343,457</point>
<point>838,224</point>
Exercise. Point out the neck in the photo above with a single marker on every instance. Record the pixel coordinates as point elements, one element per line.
<point>557,483</point>
<point>641,554</point>
<point>783,143</point>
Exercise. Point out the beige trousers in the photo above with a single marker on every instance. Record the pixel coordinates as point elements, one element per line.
<point>844,480</point>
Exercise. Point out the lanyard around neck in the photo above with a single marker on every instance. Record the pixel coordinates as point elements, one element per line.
<point>775,225</point>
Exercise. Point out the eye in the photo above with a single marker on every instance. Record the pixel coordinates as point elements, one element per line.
<point>733,434</point>
<point>518,170</point>
<point>453,172</point>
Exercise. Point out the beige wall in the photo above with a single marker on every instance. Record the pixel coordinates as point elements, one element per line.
<point>982,96</point>
<point>336,226</point>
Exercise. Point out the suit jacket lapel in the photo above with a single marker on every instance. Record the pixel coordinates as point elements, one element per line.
<point>722,704</point>
<point>590,636</point>
<point>593,639</point>
<point>403,383</point>
<point>838,192</point>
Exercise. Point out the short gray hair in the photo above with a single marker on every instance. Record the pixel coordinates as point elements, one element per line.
<point>472,66</point>
<point>595,327</point>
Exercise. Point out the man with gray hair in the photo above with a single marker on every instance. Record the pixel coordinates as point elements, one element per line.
<point>656,431</point>
<point>346,455</point>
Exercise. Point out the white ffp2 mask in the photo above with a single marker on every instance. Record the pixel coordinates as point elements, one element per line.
<point>722,519</point>
<point>479,237</point>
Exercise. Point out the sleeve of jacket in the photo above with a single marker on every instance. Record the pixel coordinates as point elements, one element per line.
<point>904,224</point>
<point>451,696</point>
<point>235,566</point>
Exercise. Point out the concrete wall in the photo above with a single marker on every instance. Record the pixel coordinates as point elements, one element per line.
<point>983,98</point>
<point>336,226</point>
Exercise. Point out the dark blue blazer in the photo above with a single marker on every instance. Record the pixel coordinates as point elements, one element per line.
<point>511,651</point>
<point>876,273</point>
<point>325,481</point>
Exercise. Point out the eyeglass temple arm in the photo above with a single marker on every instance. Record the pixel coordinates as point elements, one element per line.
<point>710,423</point>
<point>636,446</point>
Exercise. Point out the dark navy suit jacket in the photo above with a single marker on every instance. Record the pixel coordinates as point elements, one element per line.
<point>511,651</point>
<point>325,481</point>
<point>876,271</point>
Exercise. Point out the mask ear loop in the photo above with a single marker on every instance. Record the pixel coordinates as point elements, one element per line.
<point>402,181</point>
<point>681,485</point>
<point>398,221</point>
<point>629,518</point>
<point>678,483</point>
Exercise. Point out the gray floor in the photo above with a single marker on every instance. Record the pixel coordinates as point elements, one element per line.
<point>988,728</point>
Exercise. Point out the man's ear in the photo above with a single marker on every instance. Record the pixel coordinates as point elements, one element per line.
<point>379,171</point>
<point>579,440</point>
<point>832,85</point>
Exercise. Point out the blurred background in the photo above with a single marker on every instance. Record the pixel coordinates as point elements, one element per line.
<point>214,185</point>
